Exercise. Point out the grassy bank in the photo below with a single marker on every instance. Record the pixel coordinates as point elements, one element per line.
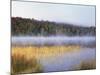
<point>24,59</point>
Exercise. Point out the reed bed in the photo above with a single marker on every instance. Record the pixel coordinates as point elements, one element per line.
<point>25,59</point>
<point>45,51</point>
<point>87,65</point>
<point>21,64</point>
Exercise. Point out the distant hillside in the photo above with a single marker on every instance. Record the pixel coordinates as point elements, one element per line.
<point>26,26</point>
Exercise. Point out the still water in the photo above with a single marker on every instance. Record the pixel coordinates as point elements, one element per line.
<point>66,61</point>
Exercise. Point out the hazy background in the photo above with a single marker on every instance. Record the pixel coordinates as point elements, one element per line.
<point>74,14</point>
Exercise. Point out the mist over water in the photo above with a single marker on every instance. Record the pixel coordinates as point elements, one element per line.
<point>62,52</point>
<point>54,40</point>
<point>66,61</point>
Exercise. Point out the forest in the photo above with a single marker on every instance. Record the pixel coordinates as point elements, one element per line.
<point>32,27</point>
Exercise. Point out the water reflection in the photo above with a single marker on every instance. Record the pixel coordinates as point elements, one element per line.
<point>66,61</point>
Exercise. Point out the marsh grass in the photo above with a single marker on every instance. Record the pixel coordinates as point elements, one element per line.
<point>24,59</point>
<point>85,65</point>
<point>44,51</point>
<point>88,65</point>
<point>21,64</point>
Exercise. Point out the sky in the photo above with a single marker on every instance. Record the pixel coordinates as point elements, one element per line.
<point>75,14</point>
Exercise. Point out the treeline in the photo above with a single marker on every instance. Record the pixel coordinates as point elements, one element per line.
<point>26,26</point>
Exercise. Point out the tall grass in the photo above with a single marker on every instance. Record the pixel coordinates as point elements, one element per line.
<point>24,59</point>
<point>88,65</point>
<point>21,64</point>
<point>44,51</point>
